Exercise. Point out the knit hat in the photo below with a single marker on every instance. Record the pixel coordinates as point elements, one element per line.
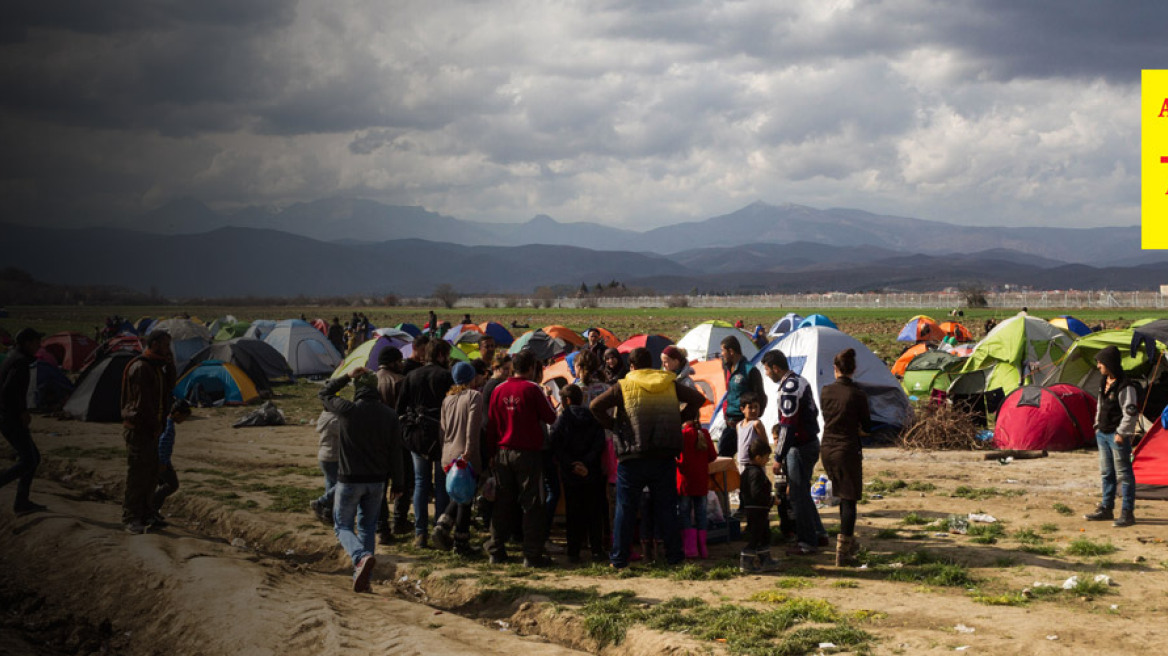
<point>463,373</point>
<point>388,356</point>
<point>673,352</point>
<point>1111,358</point>
<point>365,381</point>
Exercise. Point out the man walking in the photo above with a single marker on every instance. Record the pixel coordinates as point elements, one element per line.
<point>647,439</point>
<point>15,420</point>
<point>146,401</point>
<point>369,452</point>
<point>515,433</point>
<point>741,377</point>
<point>797,448</point>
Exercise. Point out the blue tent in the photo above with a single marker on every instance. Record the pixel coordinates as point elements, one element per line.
<point>817,320</point>
<point>214,383</point>
<point>410,328</point>
<point>789,322</point>
<point>49,387</point>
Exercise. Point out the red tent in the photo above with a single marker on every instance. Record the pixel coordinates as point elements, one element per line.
<point>70,349</point>
<point>1058,418</point>
<point>321,325</point>
<point>1150,464</point>
<point>655,344</point>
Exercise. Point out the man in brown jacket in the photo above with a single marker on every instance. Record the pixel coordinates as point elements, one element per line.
<point>147,387</point>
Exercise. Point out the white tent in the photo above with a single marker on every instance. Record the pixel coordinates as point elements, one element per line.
<point>186,338</point>
<point>307,351</point>
<point>810,353</point>
<point>704,342</point>
<point>789,322</point>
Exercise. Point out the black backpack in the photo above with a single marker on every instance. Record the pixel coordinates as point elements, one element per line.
<point>421,430</point>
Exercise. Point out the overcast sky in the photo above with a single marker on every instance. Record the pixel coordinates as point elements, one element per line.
<point>633,114</point>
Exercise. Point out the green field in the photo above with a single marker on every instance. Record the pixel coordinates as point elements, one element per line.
<point>876,328</point>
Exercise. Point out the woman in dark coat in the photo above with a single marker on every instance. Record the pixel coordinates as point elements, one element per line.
<point>845,416</point>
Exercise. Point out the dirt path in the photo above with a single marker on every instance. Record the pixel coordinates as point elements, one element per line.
<point>71,581</point>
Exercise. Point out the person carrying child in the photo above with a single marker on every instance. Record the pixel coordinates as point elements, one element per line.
<point>167,477</point>
<point>693,484</point>
<point>756,501</point>
<point>578,445</point>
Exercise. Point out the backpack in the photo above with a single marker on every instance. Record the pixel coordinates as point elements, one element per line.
<point>420,428</point>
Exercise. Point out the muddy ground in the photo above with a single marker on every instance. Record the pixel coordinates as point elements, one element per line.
<point>245,568</point>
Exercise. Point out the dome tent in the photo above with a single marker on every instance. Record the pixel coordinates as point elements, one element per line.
<point>1071,325</point>
<point>98,395</point>
<point>1019,349</point>
<point>654,343</point>
<point>789,322</point>
<point>186,338</point>
<point>262,363</point>
<point>920,329</point>
<point>307,351</point>
<point>816,320</point>
<point>704,342</point>
<point>810,353</point>
<point>71,349</point>
<point>213,382</point>
<point>929,371</point>
<point>1058,418</point>
<point>367,353</point>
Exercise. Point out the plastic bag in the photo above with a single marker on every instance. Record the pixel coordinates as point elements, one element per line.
<point>714,508</point>
<point>489,488</point>
<point>460,482</point>
<point>265,415</point>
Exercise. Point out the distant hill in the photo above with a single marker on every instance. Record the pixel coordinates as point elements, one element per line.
<point>359,220</point>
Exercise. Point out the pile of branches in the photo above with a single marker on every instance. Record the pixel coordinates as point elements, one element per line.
<point>942,427</point>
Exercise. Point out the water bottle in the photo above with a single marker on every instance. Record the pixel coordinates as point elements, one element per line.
<point>819,491</point>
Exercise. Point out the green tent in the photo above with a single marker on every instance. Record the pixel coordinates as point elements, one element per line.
<point>1021,349</point>
<point>1078,367</point>
<point>929,371</point>
<point>231,330</point>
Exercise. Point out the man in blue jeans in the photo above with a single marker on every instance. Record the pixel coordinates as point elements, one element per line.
<point>797,448</point>
<point>647,439</point>
<point>1116,418</point>
<point>368,452</point>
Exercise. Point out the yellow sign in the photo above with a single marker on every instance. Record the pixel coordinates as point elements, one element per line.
<point>1154,159</point>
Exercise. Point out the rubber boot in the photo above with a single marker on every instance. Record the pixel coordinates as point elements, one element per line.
<point>748,562</point>
<point>703,551</point>
<point>845,550</point>
<point>765,562</point>
<point>689,540</point>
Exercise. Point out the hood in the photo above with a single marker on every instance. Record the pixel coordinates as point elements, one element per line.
<point>578,416</point>
<point>653,381</point>
<point>367,394</point>
<point>1111,358</point>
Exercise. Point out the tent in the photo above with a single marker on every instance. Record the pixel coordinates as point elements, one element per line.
<point>259,329</point>
<point>929,371</point>
<point>215,326</point>
<point>567,334</point>
<point>70,349</point>
<point>393,333</point>
<point>228,331</point>
<point>98,394</point>
<point>1078,366</point>
<point>1057,418</point>
<point>655,343</point>
<point>544,346</point>
<point>705,340</point>
<point>121,343</point>
<point>454,333</point>
<point>186,338</point>
<point>212,382</point>
<point>920,329</point>
<point>816,320</point>
<point>1071,325</point>
<point>901,364</point>
<point>607,336</point>
<point>498,331</point>
<point>262,363</point>
<point>144,325</point>
<point>307,351</point>
<point>409,328</point>
<point>810,353</point>
<point>709,377</point>
<point>367,353</point>
<point>1150,463</point>
<point>789,322</point>
<point>321,325</point>
<point>1020,349</point>
<point>956,331</point>
<point>48,386</point>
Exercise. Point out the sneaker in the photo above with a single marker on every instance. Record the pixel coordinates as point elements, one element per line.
<point>1126,518</point>
<point>136,528</point>
<point>538,562</point>
<point>364,574</point>
<point>802,549</point>
<point>323,514</point>
<point>1102,513</point>
<point>28,509</point>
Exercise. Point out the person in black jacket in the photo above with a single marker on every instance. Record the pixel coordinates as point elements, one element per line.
<point>755,499</point>
<point>578,445</point>
<point>1116,419</point>
<point>419,401</point>
<point>369,451</point>
<point>15,420</point>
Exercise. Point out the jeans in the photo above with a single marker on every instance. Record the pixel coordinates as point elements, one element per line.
<point>1115,463</point>
<point>693,512</point>
<point>167,485</point>
<point>330,482</point>
<point>355,505</point>
<point>429,479</point>
<point>27,459</point>
<point>632,475</point>
<point>801,459</point>
<point>141,474</point>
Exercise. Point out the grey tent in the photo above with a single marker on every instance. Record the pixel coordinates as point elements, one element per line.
<point>258,359</point>
<point>98,395</point>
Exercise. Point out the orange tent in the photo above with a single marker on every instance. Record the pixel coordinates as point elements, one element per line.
<point>567,334</point>
<point>956,331</point>
<point>610,340</point>
<point>898,367</point>
<point>711,380</point>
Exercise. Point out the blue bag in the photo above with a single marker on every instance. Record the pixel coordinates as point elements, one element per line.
<point>460,482</point>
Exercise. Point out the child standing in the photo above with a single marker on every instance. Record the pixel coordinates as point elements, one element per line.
<point>756,503</point>
<point>167,477</point>
<point>693,484</point>
<point>578,445</point>
<point>750,429</point>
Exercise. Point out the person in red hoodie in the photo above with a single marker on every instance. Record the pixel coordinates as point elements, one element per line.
<point>693,484</point>
<point>515,433</point>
